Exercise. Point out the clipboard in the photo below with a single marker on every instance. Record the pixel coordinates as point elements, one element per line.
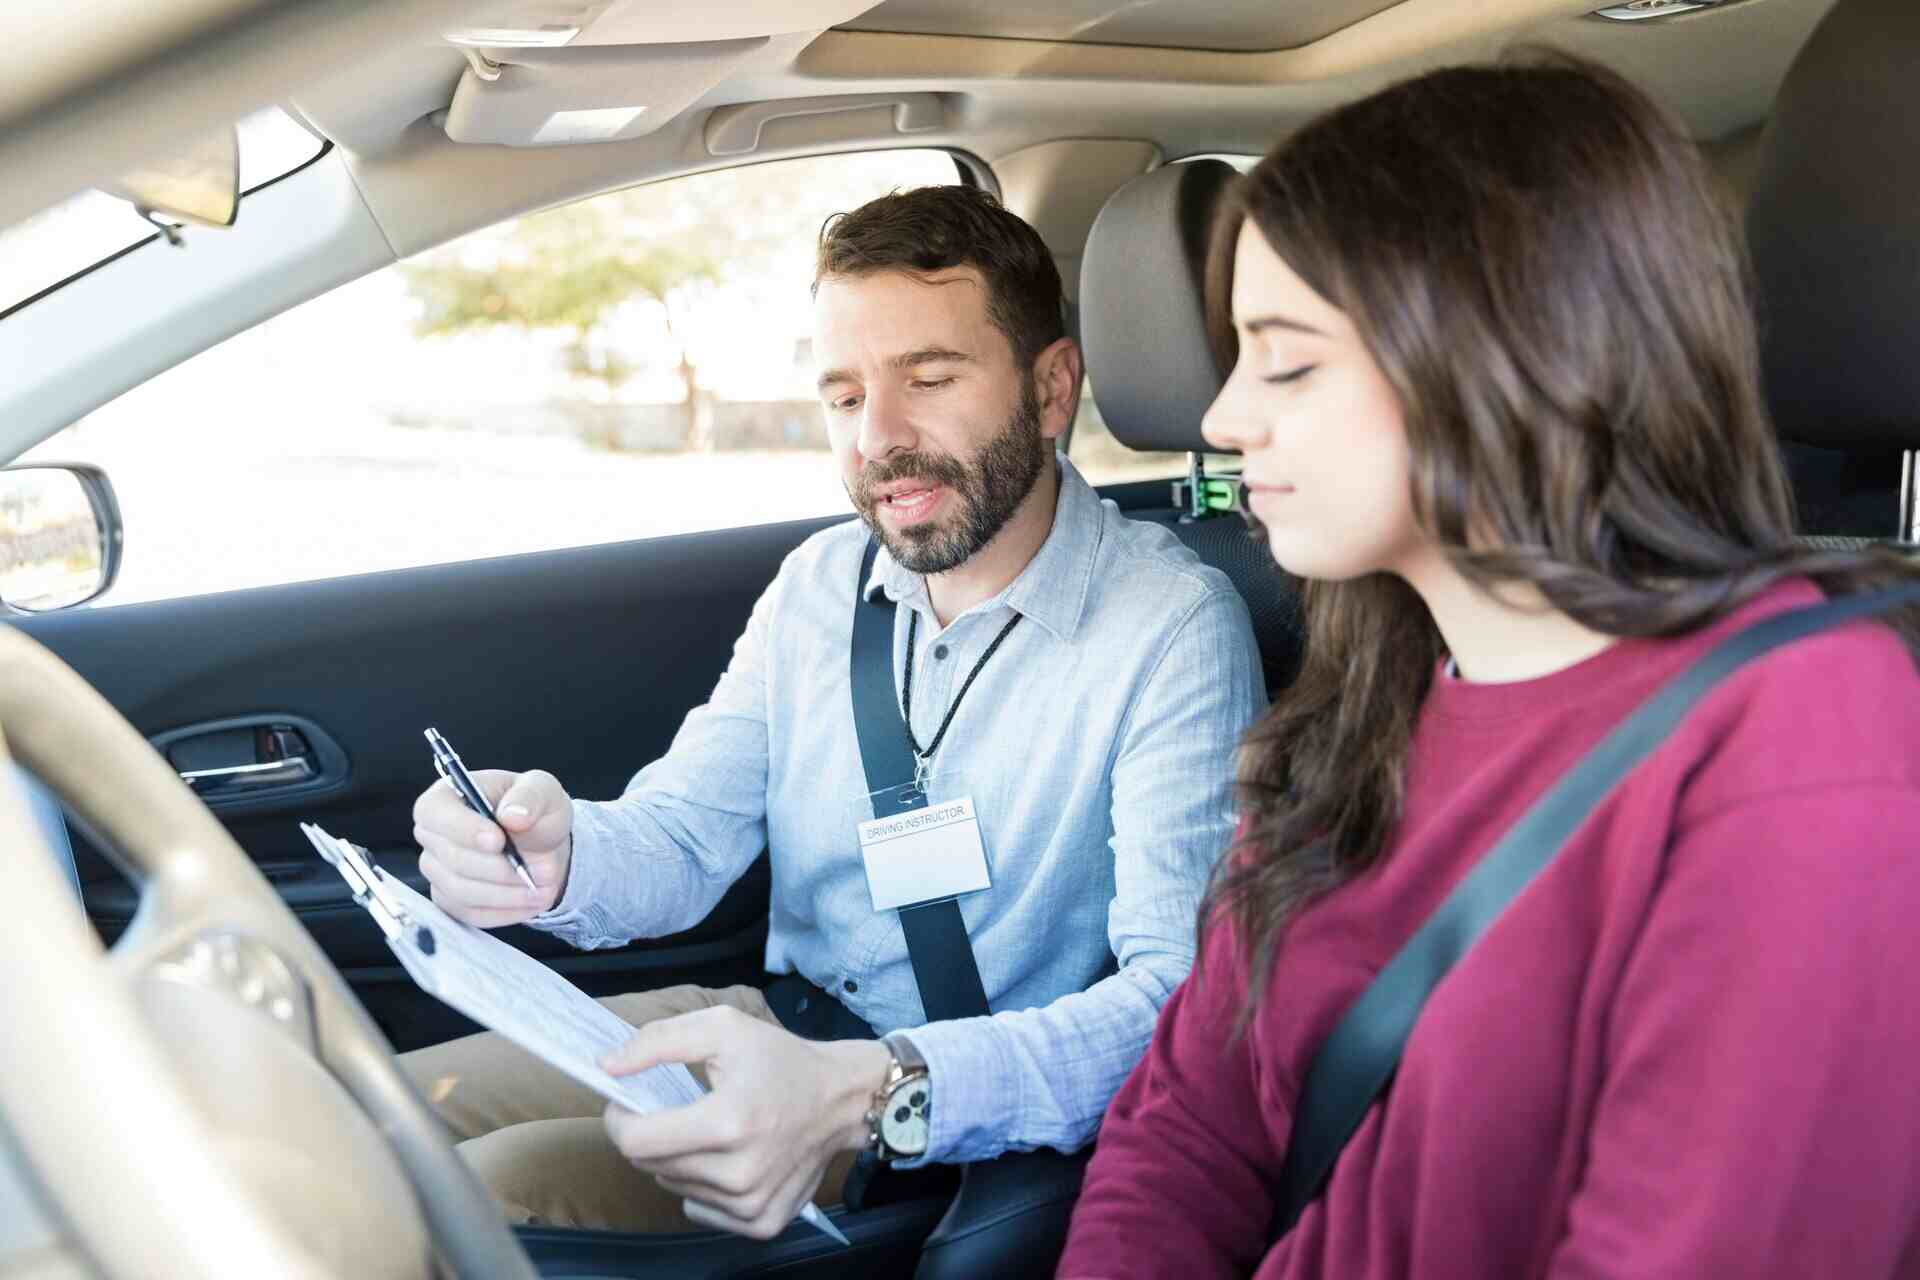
<point>508,991</point>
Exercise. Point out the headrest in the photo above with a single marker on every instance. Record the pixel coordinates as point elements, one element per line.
<point>1834,226</point>
<point>1143,306</point>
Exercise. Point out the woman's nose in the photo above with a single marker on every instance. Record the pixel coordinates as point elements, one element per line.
<point>1230,423</point>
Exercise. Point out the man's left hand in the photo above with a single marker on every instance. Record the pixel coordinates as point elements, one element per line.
<point>749,1154</point>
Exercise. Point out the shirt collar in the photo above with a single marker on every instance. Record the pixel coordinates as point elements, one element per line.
<point>1052,589</point>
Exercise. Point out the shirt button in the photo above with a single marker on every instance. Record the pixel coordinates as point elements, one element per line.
<point>851,986</point>
<point>940,652</point>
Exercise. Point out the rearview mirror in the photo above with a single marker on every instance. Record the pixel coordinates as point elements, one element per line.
<point>59,536</point>
<point>200,185</point>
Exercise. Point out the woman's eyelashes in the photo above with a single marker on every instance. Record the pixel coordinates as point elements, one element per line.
<point>1288,376</point>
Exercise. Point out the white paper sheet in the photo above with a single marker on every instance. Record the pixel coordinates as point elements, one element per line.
<point>505,989</point>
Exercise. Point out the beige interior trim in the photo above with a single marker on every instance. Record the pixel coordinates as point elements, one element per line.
<point>94,91</point>
<point>73,1043</point>
<point>650,22</point>
<point>1059,188</point>
<point>738,130</point>
<point>1408,29</point>
<point>1717,68</point>
<point>47,1264</point>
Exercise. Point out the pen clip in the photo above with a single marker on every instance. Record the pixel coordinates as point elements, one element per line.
<point>448,764</point>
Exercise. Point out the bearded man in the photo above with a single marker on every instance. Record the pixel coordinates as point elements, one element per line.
<point>984,733</point>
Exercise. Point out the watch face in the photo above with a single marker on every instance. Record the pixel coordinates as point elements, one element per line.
<point>904,1125</point>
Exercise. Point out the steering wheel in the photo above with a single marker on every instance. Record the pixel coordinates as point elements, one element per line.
<point>208,1098</point>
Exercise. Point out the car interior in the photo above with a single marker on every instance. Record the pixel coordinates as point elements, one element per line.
<point>198,1075</point>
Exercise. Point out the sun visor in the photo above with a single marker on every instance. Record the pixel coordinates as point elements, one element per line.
<point>607,93</point>
<point>541,24</point>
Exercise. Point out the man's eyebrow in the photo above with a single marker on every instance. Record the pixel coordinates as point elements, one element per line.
<point>928,355</point>
<point>1260,324</point>
<point>905,360</point>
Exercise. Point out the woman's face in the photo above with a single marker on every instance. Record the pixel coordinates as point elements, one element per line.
<point>1318,425</point>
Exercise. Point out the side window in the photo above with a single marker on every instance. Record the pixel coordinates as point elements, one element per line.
<point>635,364</point>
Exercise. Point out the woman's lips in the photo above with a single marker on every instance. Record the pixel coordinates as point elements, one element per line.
<point>1265,492</point>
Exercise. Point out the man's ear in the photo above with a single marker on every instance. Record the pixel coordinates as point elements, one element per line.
<point>1056,382</point>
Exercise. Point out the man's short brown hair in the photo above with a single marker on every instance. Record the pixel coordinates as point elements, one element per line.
<point>934,228</point>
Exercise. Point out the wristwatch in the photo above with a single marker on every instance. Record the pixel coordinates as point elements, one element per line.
<point>900,1119</point>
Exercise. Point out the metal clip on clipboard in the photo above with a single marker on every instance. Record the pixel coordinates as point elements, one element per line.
<point>367,884</point>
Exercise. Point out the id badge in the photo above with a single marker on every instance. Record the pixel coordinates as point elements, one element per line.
<point>916,852</point>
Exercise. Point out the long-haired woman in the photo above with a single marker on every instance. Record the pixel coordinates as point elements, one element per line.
<point>1497,393</point>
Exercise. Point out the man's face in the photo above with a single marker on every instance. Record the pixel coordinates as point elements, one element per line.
<point>938,434</point>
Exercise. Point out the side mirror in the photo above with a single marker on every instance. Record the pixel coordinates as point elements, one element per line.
<point>60,535</point>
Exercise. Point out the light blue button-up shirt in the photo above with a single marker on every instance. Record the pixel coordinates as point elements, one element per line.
<point>1096,743</point>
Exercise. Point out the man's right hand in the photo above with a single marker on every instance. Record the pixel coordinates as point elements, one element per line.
<point>462,854</point>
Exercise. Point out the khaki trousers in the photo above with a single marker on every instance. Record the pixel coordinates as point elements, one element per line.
<point>536,1138</point>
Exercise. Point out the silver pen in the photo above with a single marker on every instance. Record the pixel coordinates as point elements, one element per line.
<point>820,1222</point>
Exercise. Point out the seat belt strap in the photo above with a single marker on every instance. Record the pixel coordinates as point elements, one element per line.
<point>944,967</point>
<point>1360,1056</point>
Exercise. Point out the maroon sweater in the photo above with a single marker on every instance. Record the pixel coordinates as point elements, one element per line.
<point>1691,1048</point>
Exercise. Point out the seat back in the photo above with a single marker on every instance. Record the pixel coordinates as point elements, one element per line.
<point>1273,598</point>
<point>1143,326</point>
<point>1832,227</point>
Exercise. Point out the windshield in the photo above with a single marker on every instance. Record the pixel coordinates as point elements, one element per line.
<point>80,233</point>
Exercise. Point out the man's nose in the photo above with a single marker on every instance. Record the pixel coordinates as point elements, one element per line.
<point>884,427</point>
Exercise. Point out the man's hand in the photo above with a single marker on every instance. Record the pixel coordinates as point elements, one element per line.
<point>462,853</point>
<point>750,1153</point>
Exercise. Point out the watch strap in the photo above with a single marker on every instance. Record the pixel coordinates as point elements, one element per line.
<point>905,1054</point>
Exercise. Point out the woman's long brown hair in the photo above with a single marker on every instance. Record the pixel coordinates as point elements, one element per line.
<point>1545,271</point>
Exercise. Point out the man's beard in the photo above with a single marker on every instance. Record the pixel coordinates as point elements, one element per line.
<point>990,489</point>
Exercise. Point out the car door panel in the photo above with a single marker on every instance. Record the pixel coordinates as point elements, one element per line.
<point>582,662</point>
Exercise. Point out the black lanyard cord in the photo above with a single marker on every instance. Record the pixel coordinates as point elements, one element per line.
<point>906,685</point>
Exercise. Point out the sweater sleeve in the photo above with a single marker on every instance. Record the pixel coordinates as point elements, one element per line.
<point>1178,1184</point>
<point>1758,1117</point>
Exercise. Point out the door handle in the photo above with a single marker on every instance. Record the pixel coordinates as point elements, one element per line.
<point>254,761</point>
<point>236,779</point>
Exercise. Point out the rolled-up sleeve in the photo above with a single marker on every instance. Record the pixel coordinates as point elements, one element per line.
<point>1043,1077</point>
<point>657,860</point>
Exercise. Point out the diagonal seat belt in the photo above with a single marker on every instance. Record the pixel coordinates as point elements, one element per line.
<point>943,964</point>
<point>1360,1056</point>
